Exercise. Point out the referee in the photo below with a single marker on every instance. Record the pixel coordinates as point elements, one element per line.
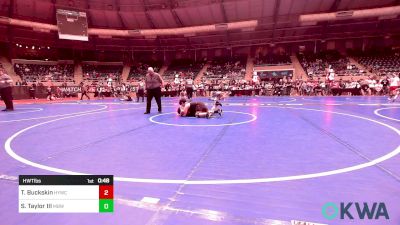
<point>6,91</point>
<point>153,83</point>
<point>189,87</point>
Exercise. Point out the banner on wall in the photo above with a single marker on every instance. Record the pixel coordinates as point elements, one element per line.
<point>71,89</point>
<point>275,74</point>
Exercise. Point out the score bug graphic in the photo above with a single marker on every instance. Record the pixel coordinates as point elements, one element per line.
<point>66,193</point>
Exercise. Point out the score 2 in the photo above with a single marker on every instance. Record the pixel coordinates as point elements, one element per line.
<point>106,192</point>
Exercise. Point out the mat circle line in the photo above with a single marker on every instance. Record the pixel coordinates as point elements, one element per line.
<point>33,110</point>
<point>53,116</point>
<point>254,117</point>
<point>376,112</point>
<point>393,153</point>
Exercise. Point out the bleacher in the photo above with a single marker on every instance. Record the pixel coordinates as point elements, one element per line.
<point>381,63</point>
<point>139,69</point>
<point>272,59</point>
<point>226,69</point>
<point>99,72</point>
<point>316,65</point>
<point>48,71</point>
<point>186,67</point>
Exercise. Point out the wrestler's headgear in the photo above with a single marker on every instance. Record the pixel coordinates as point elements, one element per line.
<point>182,100</point>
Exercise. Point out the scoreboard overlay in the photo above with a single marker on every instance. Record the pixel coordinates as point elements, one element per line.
<point>66,194</point>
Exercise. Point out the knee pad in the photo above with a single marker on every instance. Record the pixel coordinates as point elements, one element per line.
<point>202,114</point>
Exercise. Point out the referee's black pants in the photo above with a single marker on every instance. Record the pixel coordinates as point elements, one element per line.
<point>6,95</point>
<point>85,94</point>
<point>189,91</point>
<point>140,94</point>
<point>156,93</point>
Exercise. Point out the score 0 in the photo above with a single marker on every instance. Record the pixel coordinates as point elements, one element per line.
<point>106,198</point>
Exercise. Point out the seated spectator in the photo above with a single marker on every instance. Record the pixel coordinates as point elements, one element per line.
<point>44,72</point>
<point>182,69</point>
<point>318,65</point>
<point>272,59</point>
<point>138,70</point>
<point>101,73</point>
<point>223,69</point>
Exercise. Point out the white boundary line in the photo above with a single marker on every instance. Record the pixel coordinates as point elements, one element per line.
<point>376,102</point>
<point>45,117</point>
<point>248,101</point>
<point>376,112</point>
<point>37,165</point>
<point>291,100</point>
<point>13,113</point>
<point>100,103</point>
<point>204,125</point>
<point>9,150</point>
<point>250,98</point>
